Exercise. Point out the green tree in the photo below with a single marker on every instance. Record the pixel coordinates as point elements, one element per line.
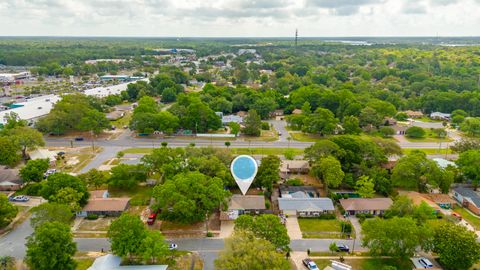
<point>244,251</point>
<point>387,132</point>
<point>51,247</point>
<point>365,187</point>
<point>153,246</point>
<point>58,181</point>
<point>415,171</point>
<point>50,212</point>
<point>469,164</point>
<point>322,149</point>
<point>329,170</point>
<point>456,246</point>
<point>333,247</point>
<point>8,211</point>
<point>68,196</point>
<point>169,95</point>
<point>369,117</point>
<point>94,178</point>
<point>471,126</point>
<point>351,125</point>
<point>268,172</point>
<point>94,121</point>
<point>27,138</point>
<point>189,197</point>
<point>423,212</point>
<point>415,132</point>
<point>322,121</point>
<point>234,128</point>
<point>265,226</point>
<point>126,235</point>
<point>402,206</point>
<point>125,176</point>
<point>264,106</point>
<point>252,123</point>
<point>397,237</point>
<point>34,170</point>
<point>9,149</point>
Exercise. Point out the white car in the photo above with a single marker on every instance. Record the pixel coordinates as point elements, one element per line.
<point>172,246</point>
<point>49,172</point>
<point>425,262</point>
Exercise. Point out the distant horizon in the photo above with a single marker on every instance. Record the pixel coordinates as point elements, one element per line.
<point>237,37</point>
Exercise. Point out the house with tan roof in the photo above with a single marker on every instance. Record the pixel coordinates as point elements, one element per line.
<point>288,167</point>
<point>244,204</point>
<point>418,198</point>
<point>100,204</point>
<point>10,179</point>
<point>374,206</point>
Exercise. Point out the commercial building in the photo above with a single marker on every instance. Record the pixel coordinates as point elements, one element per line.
<point>13,77</point>
<point>32,109</point>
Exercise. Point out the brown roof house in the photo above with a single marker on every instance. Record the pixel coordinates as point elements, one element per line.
<point>293,167</point>
<point>100,204</point>
<point>414,114</point>
<point>10,179</point>
<point>240,204</point>
<point>442,200</point>
<point>374,206</point>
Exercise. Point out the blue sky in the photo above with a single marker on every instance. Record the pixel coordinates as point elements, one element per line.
<point>230,18</point>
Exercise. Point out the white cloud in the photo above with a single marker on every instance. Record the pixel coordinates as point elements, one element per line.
<point>239,17</point>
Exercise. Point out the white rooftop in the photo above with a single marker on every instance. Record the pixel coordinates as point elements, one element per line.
<point>41,106</point>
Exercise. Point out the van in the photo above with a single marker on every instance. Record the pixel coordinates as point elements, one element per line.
<point>426,262</point>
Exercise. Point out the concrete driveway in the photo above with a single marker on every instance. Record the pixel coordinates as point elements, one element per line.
<point>280,126</point>
<point>293,228</point>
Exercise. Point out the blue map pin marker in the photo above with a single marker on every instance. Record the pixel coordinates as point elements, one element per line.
<point>244,169</point>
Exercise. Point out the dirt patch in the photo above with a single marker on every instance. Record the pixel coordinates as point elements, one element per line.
<point>100,224</point>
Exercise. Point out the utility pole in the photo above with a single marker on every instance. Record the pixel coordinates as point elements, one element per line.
<point>296,37</point>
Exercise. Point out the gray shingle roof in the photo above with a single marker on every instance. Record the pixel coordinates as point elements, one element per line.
<point>306,204</point>
<point>469,193</point>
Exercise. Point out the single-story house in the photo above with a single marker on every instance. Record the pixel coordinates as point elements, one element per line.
<point>469,198</point>
<point>231,118</point>
<point>242,113</point>
<point>42,153</point>
<point>297,111</point>
<point>298,192</point>
<point>389,121</point>
<point>293,167</point>
<point>374,206</point>
<point>305,207</point>
<point>10,179</point>
<point>418,198</point>
<point>414,114</point>
<point>442,200</point>
<point>100,204</point>
<point>444,163</point>
<point>115,115</point>
<point>440,116</point>
<point>112,262</point>
<point>244,204</point>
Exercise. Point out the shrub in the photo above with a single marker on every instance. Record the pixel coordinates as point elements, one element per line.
<point>92,216</point>
<point>386,132</point>
<point>294,182</point>
<point>323,217</point>
<point>265,126</point>
<point>415,132</point>
<point>32,189</point>
<point>209,234</point>
<point>346,227</point>
<point>289,154</point>
<point>267,204</point>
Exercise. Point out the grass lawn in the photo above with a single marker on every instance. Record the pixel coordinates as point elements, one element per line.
<point>84,264</point>
<point>472,219</point>
<point>430,137</point>
<point>304,137</point>
<point>429,151</point>
<point>124,121</point>
<point>369,264</point>
<point>320,228</point>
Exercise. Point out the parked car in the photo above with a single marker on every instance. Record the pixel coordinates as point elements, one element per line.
<point>343,248</point>
<point>425,262</point>
<point>49,172</point>
<point>21,198</point>
<point>79,139</point>
<point>310,264</point>
<point>172,246</point>
<point>151,219</point>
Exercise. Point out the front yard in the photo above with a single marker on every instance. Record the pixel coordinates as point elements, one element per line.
<point>469,217</point>
<point>320,228</point>
<point>369,263</point>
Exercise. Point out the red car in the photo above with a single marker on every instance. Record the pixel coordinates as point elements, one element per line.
<point>151,219</point>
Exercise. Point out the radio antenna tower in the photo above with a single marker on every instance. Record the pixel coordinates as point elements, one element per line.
<point>296,37</point>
